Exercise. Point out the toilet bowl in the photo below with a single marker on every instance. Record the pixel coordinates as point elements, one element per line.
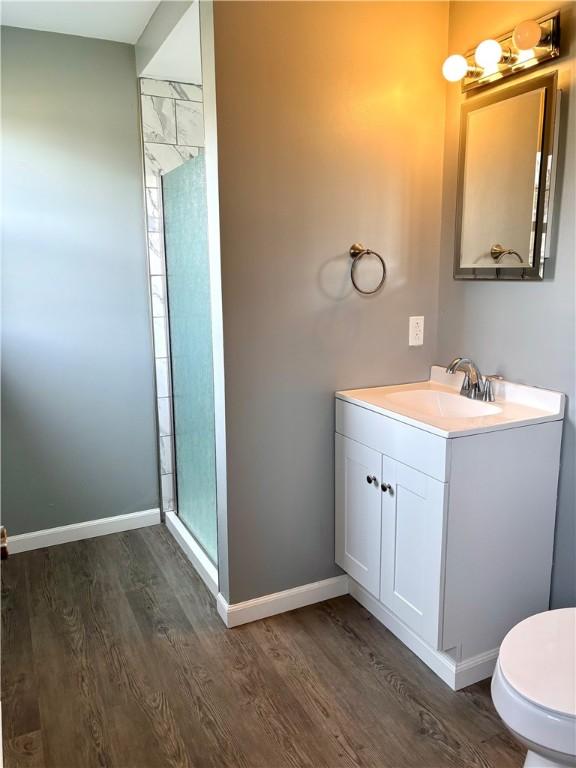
<point>534,687</point>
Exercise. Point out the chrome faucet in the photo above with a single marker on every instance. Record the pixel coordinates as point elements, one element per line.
<point>473,384</point>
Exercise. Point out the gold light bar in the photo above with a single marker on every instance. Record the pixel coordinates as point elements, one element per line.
<point>513,59</point>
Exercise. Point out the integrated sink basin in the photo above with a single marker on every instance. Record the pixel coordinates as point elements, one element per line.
<point>437,406</point>
<point>434,402</point>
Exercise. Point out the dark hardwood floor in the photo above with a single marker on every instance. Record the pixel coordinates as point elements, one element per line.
<point>113,655</point>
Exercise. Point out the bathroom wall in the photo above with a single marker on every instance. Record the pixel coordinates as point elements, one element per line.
<point>330,131</point>
<point>169,46</point>
<point>78,426</point>
<point>159,28</point>
<point>523,331</point>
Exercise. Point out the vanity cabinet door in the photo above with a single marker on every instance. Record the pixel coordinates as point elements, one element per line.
<point>413,514</point>
<point>358,512</point>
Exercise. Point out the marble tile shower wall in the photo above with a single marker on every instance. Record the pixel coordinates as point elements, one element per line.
<point>172,131</point>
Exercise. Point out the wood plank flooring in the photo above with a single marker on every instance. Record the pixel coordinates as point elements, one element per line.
<point>113,655</point>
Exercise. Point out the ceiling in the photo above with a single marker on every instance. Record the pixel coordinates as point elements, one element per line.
<point>120,20</point>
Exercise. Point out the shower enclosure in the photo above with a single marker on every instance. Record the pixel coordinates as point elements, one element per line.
<point>178,120</point>
<point>189,316</point>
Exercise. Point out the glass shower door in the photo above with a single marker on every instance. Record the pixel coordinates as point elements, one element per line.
<point>188,285</point>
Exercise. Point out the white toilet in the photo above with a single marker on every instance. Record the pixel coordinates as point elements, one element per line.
<point>534,687</point>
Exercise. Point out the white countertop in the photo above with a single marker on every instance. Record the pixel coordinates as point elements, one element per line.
<point>516,405</point>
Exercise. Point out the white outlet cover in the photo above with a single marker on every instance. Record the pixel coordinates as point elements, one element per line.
<point>416,331</point>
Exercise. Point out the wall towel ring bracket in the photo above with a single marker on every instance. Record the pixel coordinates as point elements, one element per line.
<point>357,251</point>
<point>499,251</point>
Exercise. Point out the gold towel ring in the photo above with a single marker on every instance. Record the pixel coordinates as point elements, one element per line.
<point>357,251</point>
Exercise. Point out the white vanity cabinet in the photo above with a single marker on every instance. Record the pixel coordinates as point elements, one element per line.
<point>446,534</point>
<point>358,511</point>
<point>413,521</point>
<point>389,528</point>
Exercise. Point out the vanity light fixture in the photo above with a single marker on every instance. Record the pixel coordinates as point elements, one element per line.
<point>529,44</point>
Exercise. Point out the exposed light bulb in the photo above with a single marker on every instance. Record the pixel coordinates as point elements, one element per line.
<point>455,68</point>
<point>488,53</point>
<point>526,35</point>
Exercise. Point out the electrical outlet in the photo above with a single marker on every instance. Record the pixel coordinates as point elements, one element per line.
<point>416,331</point>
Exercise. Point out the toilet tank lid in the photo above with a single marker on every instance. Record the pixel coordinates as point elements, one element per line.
<point>538,659</point>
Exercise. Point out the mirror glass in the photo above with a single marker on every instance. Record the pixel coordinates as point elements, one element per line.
<point>504,182</point>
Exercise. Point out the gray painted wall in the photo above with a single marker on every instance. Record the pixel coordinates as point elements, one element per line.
<point>78,423</point>
<point>524,331</point>
<point>318,147</point>
<point>161,23</point>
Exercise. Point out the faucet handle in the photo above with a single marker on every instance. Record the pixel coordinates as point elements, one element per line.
<point>488,391</point>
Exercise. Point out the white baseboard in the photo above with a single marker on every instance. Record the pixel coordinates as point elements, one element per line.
<point>280,602</point>
<point>475,668</point>
<point>456,674</point>
<point>204,567</point>
<point>49,537</point>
